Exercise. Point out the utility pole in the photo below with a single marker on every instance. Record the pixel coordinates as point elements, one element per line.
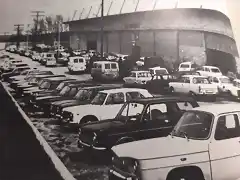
<point>102,26</point>
<point>109,7</point>
<point>81,13</point>
<point>27,34</point>
<point>37,14</point>
<point>122,7</point>
<point>18,29</point>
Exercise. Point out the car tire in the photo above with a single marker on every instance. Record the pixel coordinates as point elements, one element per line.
<point>196,175</point>
<point>88,119</point>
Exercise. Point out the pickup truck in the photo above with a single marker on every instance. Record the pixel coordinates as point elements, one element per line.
<point>138,119</point>
<point>204,145</point>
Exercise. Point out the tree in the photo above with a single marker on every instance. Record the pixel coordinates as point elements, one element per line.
<point>42,27</point>
<point>49,22</point>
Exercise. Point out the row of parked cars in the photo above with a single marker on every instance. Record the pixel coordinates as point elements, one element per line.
<point>150,137</point>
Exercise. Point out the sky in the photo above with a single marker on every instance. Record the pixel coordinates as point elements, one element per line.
<point>19,11</point>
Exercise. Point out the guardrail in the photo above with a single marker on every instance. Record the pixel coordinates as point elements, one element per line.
<point>19,138</point>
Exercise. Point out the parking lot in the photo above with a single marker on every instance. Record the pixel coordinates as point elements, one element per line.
<point>82,164</point>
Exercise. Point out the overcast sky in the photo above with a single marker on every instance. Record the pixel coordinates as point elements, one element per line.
<point>19,11</point>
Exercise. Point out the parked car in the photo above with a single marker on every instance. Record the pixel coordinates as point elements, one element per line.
<point>187,66</point>
<point>63,58</point>
<point>14,72</point>
<point>36,56</point>
<point>77,64</point>
<point>158,85</point>
<point>139,119</point>
<point>203,145</point>
<point>223,83</point>
<point>50,62</point>
<point>235,90</point>
<point>67,93</point>
<point>209,71</point>
<point>105,70</point>
<point>109,101</point>
<point>195,86</point>
<point>33,82</point>
<point>45,56</point>
<point>24,78</point>
<point>84,96</point>
<point>137,79</point>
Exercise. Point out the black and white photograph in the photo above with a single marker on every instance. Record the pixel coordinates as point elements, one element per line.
<point>119,90</point>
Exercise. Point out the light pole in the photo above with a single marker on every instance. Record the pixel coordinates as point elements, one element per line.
<point>27,35</point>
<point>102,25</point>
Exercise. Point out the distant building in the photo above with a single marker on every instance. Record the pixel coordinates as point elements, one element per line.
<point>191,34</point>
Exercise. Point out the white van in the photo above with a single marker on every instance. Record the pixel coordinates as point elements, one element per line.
<point>77,64</point>
<point>186,66</point>
<point>105,70</point>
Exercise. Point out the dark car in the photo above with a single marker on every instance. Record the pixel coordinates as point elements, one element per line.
<point>139,119</point>
<point>158,85</point>
<point>68,92</point>
<point>34,82</point>
<point>14,83</point>
<point>84,96</point>
<point>14,72</point>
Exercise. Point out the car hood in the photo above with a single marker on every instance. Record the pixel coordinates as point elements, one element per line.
<point>71,103</point>
<point>63,102</point>
<point>102,125</point>
<point>160,147</point>
<point>46,97</point>
<point>32,88</point>
<point>17,78</point>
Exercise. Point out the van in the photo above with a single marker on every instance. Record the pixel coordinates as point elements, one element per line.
<point>105,70</point>
<point>45,56</point>
<point>77,64</point>
<point>186,66</point>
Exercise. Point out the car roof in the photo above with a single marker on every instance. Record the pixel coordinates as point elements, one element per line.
<point>103,62</point>
<point>57,78</point>
<point>219,76</point>
<point>141,71</point>
<point>217,109</point>
<point>162,98</point>
<point>211,66</point>
<point>123,90</point>
<point>190,75</point>
<point>105,86</point>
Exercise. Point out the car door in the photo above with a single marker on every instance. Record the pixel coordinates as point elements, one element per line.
<point>185,85</point>
<point>112,106</point>
<point>224,148</point>
<point>155,122</point>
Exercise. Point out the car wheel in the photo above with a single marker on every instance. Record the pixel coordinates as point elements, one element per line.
<point>183,175</point>
<point>88,119</point>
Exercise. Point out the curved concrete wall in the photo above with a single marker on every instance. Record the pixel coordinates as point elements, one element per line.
<point>182,19</point>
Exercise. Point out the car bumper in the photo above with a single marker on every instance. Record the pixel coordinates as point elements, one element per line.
<point>116,174</point>
<point>85,145</point>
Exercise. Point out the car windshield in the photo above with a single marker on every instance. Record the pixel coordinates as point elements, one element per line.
<point>83,94</point>
<point>201,80</point>
<point>144,74</point>
<point>99,99</point>
<point>215,70</point>
<point>133,74</point>
<point>130,111</point>
<point>161,72</point>
<point>72,92</point>
<point>24,72</point>
<point>65,90</point>
<point>194,125</point>
<point>45,85</point>
<point>225,80</point>
<point>60,86</point>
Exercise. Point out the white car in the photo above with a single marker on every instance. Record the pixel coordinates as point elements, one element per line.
<point>51,62</point>
<point>194,85</point>
<point>204,145</point>
<point>138,78</point>
<point>77,64</point>
<point>104,106</point>
<point>160,71</point>
<point>235,90</point>
<point>209,71</point>
<point>223,82</point>
<point>186,66</point>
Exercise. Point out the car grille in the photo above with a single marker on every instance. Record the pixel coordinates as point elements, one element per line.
<point>67,116</point>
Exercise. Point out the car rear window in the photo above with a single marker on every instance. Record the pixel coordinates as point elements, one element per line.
<point>98,66</point>
<point>107,66</point>
<point>75,60</point>
<point>185,66</point>
<point>81,60</point>
<point>114,66</point>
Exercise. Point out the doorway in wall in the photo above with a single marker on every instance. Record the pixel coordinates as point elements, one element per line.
<point>92,45</point>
